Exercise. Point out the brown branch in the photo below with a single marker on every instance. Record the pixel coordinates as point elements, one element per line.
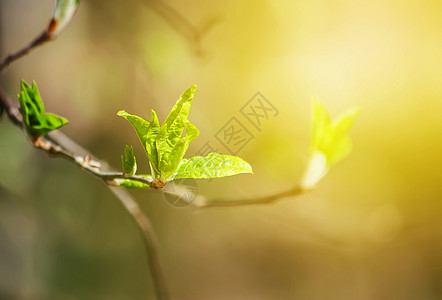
<point>85,162</point>
<point>11,110</point>
<point>93,166</point>
<point>203,202</point>
<point>174,18</point>
<point>149,238</point>
<point>38,41</point>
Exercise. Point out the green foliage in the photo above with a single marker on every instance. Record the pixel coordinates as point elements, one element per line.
<point>128,161</point>
<point>213,165</point>
<point>134,184</point>
<point>330,142</point>
<point>35,119</point>
<point>167,144</point>
<point>63,14</point>
<point>331,138</point>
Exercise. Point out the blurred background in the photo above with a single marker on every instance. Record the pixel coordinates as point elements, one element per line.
<point>372,229</point>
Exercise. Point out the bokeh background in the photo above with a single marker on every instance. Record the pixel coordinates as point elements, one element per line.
<point>372,229</point>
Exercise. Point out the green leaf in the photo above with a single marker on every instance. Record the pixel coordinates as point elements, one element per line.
<point>140,125</point>
<point>182,107</point>
<point>63,14</point>
<point>341,145</point>
<point>330,143</point>
<point>147,133</point>
<point>321,126</point>
<point>35,119</point>
<point>170,144</point>
<point>133,184</point>
<point>150,144</point>
<point>181,147</point>
<point>171,157</point>
<point>213,165</point>
<point>173,128</point>
<point>161,146</point>
<point>331,138</point>
<point>129,162</point>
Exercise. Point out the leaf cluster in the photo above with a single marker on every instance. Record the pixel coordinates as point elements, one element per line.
<point>166,145</point>
<point>36,120</point>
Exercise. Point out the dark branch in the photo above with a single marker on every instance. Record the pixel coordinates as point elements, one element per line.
<point>38,41</point>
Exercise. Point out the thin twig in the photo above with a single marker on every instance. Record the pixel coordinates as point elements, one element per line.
<point>203,202</point>
<point>180,23</point>
<point>174,18</point>
<point>42,38</point>
<point>149,238</point>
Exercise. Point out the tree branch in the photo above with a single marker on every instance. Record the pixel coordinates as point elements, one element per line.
<point>11,110</point>
<point>149,238</point>
<point>38,41</point>
<point>93,166</point>
<point>203,202</point>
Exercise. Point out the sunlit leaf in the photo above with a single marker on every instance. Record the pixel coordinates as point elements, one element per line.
<point>182,107</point>
<point>128,161</point>
<point>173,159</point>
<point>150,144</point>
<point>170,144</point>
<point>167,144</point>
<point>35,119</point>
<point>63,14</point>
<point>162,147</point>
<point>330,143</point>
<point>213,165</point>
<point>139,124</point>
<point>342,144</point>
<point>173,128</point>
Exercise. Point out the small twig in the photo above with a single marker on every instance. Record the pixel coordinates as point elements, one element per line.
<point>180,23</point>
<point>86,163</point>
<point>149,238</point>
<point>38,41</point>
<point>203,202</point>
<point>174,18</point>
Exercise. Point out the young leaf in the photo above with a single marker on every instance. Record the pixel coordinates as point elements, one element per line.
<point>170,146</point>
<point>166,146</point>
<point>35,119</point>
<point>150,145</point>
<point>63,14</point>
<point>213,165</point>
<point>147,133</point>
<point>129,162</point>
<point>182,107</point>
<point>330,143</point>
<point>139,124</point>
<point>172,158</point>
<point>133,184</point>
